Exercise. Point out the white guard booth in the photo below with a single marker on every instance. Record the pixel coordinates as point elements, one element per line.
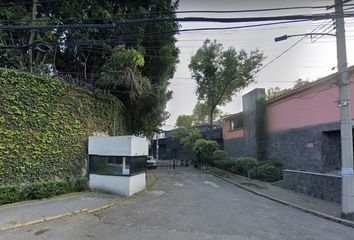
<point>117,164</point>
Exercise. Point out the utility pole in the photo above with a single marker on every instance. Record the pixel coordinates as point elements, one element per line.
<point>345,117</point>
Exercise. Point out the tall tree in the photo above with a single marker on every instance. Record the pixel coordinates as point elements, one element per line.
<point>220,73</point>
<point>201,113</point>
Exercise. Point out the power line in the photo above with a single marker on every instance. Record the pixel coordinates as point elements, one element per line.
<point>137,3</point>
<point>166,20</point>
<point>281,54</point>
<point>168,32</point>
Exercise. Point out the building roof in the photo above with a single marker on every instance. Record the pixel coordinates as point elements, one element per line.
<point>328,79</point>
<point>231,115</point>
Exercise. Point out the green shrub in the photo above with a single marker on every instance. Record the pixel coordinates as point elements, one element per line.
<point>219,155</point>
<point>10,194</point>
<point>81,184</point>
<point>224,164</point>
<point>273,161</point>
<point>267,172</point>
<point>46,189</point>
<point>203,149</point>
<point>243,165</point>
<point>39,190</point>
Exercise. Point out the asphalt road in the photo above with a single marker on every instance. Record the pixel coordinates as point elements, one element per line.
<point>188,204</point>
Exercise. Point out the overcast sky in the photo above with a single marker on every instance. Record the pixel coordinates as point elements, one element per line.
<point>308,60</point>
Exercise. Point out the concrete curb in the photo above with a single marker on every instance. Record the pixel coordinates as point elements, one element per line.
<point>84,210</point>
<point>306,210</point>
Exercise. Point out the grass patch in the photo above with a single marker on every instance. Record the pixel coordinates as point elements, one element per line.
<point>13,222</point>
<point>219,172</point>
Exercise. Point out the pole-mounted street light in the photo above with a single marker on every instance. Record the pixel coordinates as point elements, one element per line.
<point>285,37</point>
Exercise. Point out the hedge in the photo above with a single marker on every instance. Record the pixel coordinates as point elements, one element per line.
<point>269,170</point>
<point>10,194</point>
<point>224,164</point>
<point>39,190</point>
<point>243,165</point>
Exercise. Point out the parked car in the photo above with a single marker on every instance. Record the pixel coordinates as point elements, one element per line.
<point>151,162</point>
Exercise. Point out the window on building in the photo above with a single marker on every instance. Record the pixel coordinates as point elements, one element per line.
<point>236,122</point>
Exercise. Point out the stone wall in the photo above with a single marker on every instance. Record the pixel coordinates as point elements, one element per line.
<point>235,147</point>
<point>324,186</point>
<point>301,148</point>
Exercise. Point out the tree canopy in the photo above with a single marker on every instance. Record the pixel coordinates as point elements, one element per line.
<point>201,113</point>
<point>277,91</point>
<point>185,121</point>
<point>88,54</point>
<point>220,73</point>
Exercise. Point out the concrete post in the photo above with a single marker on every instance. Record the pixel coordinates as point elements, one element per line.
<point>249,103</point>
<point>345,117</point>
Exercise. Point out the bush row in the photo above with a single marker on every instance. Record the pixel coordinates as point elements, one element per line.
<point>207,152</point>
<point>40,190</point>
<point>270,170</point>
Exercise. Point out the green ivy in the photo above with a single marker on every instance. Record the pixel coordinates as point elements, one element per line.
<point>44,125</point>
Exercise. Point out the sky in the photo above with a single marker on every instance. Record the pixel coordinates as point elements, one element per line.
<point>310,59</point>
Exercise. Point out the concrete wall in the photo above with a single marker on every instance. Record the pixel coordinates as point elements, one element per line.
<point>249,101</point>
<point>118,146</point>
<point>324,186</point>
<point>242,142</point>
<point>137,183</point>
<point>227,133</point>
<point>311,106</point>
<point>120,185</point>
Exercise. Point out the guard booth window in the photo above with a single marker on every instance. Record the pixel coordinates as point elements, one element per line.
<point>115,165</point>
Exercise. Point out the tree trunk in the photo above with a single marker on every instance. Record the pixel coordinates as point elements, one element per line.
<point>33,33</point>
<point>211,123</point>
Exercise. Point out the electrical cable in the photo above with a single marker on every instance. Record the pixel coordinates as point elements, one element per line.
<point>166,20</point>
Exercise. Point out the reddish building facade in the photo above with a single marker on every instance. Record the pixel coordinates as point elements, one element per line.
<point>303,131</point>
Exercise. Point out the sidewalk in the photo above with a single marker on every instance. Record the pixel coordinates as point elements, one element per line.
<point>36,211</point>
<point>315,206</point>
<point>17,214</point>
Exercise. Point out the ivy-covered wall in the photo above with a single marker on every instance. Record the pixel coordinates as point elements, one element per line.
<point>44,125</point>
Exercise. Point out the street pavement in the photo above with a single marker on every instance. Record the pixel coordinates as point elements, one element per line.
<point>189,204</point>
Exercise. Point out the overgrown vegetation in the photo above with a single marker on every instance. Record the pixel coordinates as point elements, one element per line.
<point>44,125</point>
<point>85,53</point>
